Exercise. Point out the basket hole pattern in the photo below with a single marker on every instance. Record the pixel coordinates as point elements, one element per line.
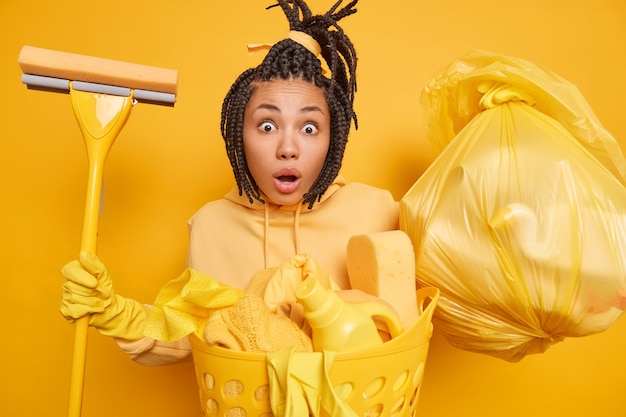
<point>404,388</point>
<point>401,381</point>
<point>374,387</point>
<point>375,411</point>
<point>417,383</point>
<point>397,408</point>
<point>236,412</point>
<point>212,407</point>
<point>262,393</point>
<point>344,390</point>
<point>374,392</point>
<point>417,377</point>
<point>209,381</point>
<point>233,388</point>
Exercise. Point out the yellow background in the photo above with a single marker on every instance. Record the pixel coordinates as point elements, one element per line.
<point>169,161</point>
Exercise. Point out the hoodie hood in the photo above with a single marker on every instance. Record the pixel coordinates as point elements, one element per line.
<point>271,210</point>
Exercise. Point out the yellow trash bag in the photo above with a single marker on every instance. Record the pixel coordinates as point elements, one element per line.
<point>521,219</point>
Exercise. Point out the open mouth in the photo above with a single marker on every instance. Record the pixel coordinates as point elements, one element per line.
<point>287,178</point>
<point>287,181</point>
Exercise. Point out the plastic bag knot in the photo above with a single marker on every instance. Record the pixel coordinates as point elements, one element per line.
<point>495,93</point>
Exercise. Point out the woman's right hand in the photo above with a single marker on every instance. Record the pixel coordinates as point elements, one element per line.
<point>89,291</point>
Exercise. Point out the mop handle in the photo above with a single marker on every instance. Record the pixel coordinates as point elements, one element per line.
<point>101,117</point>
<point>102,92</point>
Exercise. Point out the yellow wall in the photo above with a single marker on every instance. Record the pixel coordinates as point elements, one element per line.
<point>169,161</point>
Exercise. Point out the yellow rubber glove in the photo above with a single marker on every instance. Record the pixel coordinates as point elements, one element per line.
<point>89,291</point>
<point>300,384</point>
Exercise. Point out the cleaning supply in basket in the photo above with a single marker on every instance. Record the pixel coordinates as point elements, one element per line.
<point>250,326</point>
<point>184,304</point>
<point>383,264</point>
<point>342,326</point>
<point>277,286</point>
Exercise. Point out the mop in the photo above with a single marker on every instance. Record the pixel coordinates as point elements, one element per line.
<point>102,93</point>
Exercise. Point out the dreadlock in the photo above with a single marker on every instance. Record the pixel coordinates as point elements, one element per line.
<point>286,60</point>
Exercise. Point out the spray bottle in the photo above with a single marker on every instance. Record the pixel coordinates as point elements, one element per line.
<point>341,326</point>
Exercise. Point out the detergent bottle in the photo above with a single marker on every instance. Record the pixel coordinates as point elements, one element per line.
<point>342,326</point>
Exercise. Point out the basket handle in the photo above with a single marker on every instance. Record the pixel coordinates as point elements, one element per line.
<point>427,299</point>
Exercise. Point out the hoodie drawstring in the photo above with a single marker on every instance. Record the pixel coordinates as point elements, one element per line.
<point>296,228</point>
<point>266,238</point>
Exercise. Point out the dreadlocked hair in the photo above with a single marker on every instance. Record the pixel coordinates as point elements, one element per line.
<point>287,60</point>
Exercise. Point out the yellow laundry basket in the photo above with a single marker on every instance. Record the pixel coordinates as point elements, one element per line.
<point>377,382</point>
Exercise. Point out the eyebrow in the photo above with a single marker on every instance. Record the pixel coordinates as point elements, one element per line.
<point>271,107</point>
<point>311,109</point>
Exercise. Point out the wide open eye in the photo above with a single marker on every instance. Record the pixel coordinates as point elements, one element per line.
<point>309,129</point>
<point>267,126</point>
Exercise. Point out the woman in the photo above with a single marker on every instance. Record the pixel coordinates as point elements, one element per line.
<point>285,124</point>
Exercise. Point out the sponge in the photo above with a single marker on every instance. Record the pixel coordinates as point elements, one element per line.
<point>66,65</point>
<point>383,264</point>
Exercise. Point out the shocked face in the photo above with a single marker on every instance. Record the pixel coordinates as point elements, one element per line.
<point>286,136</point>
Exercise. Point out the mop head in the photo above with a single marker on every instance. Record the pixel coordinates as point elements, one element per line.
<point>50,70</point>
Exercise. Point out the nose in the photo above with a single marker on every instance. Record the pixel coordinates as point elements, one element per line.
<point>288,147</point>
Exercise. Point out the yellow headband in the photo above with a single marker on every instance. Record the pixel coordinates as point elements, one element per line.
<point>302,38</point>
<point>305,40</point>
